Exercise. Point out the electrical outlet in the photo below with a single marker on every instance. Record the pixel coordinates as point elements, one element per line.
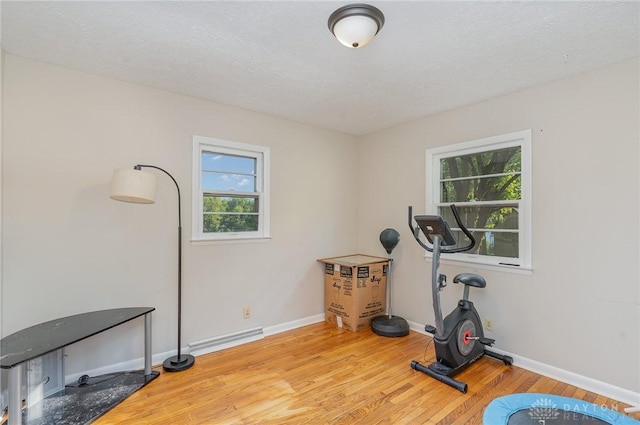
<point>488,324</point>
<point>246,313</point>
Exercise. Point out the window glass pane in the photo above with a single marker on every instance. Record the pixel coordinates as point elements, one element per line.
<point>483,217</point>
<point>212,161</point>
<point>231,190</point>
<point>489,181</point>
<point>220,223</point>
<point>502,188</point>
<point>229,204</point>
<point>481,164</point>
<point>500,244</point>
<point>228,182</point>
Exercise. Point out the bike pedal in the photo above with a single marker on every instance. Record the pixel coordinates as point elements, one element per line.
<point>487,341</point>
<point>430,329</point>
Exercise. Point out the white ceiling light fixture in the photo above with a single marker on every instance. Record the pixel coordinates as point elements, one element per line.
<point>355,25</point>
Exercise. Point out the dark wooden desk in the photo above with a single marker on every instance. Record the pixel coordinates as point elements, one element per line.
<point>38,340</point>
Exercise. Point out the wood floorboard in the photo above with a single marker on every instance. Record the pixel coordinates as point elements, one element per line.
<point>320,374</point>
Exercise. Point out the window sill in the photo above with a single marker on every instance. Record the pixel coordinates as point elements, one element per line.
<point>204,242</point>
<point>502,268</point>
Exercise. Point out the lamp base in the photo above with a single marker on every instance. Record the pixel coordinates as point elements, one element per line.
<point>173,364</point>
<point>391,326</point>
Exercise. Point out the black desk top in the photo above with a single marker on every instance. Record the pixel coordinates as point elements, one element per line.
<point>44,338</point>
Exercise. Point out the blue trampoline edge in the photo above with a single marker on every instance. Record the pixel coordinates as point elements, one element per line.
<point>500,409</point>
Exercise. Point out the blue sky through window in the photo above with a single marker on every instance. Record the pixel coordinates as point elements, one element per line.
<point>228,172</point>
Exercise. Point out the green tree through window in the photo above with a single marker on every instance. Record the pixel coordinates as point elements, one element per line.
<point>229,214</point>
<point>488,180</point>
<point>231,200</point>
<point>480,179</point>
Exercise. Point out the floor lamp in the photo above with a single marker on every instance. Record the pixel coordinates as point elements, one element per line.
<point>137,186</point>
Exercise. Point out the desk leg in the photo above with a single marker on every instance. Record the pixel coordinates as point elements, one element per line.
<point>15,389</point>
<point>147,344</point>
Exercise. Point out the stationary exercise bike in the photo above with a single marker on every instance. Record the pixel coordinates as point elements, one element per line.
<point>458,338</point>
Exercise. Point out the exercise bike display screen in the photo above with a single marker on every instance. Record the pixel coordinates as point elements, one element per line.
<point>434,225</point>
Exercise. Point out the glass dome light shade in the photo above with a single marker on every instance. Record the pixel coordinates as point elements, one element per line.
<point>355,31</point>
<point>355,25</point>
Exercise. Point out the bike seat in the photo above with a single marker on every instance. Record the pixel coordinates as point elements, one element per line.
<point>470,279</point>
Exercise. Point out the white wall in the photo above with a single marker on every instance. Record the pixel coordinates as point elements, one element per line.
<point>580,308</point>
<point>68,248</point>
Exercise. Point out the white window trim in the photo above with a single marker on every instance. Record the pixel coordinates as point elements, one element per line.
<point>200,144</point>
<point>522,265</point>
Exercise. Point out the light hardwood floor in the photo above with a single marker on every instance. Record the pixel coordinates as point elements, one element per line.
<point>320,374</point>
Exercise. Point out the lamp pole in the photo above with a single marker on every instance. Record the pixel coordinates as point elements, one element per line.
<point>181,361</point>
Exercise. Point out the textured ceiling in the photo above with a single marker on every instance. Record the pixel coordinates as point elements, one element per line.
<point>279,57</point>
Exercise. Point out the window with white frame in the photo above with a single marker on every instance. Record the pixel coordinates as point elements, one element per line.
<point>230,190</point>
<point>489,181</point>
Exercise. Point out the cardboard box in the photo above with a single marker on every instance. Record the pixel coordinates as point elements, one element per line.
<point>355,290</point>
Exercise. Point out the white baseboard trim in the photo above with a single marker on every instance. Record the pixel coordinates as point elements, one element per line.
<point>288,326</point>
<point>417,327</point>
<point>129,365</point>
<point>222,342</point>
<point>599,387</point>
<point>238,338</point>
<point>199,348</point>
